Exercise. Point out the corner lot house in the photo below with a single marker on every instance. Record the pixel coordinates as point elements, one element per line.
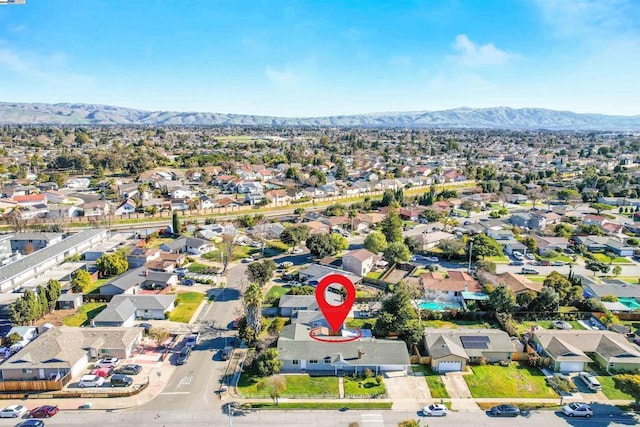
<point>133,280</point>
<point>64,350</point>
<point>572,351</point>
<point>301,353</point>
<point>452,349</point>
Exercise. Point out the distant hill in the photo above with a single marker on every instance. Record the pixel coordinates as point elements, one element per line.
<point>495,118</point>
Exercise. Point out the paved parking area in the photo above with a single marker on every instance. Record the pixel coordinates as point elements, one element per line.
<point>408,392</point>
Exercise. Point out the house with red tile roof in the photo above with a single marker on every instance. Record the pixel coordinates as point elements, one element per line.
<point>31,199</point>
<point>453,284</point>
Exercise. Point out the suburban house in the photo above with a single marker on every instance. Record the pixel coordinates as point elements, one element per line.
<point>592,288</point>
<point>95,208</point>
<point>190,245</point>
<point>134,280</point>
<point>127,207</point>
<point>289,304</point>
<point>572,351</point>
<point>26,333</point>
<point>359,262</point>
<point>302,353</point>
<point>452,349</point>
<point>313,274</point>
<point>453,285</point>
<point>122,310</point>
<point>518,283</point>
<point>140,256</point>
<point>271,230</point>
<point>546,244</point>
<point>63,350</point>
<point>35,240</point>
<point>431,240</point>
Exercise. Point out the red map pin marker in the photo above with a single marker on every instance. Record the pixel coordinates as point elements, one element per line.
<point>335,314</point>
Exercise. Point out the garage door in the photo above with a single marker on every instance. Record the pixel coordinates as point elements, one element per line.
<point>449,366</point>
<point>571,366</point>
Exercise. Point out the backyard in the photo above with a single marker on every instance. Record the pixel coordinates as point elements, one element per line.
<point>85,313</point>
<point>274,293</point>
<point>251,386</point>
<point>517,379</point>
<point>525,326</point>
<point>186,305</point>
<point>454,324</point>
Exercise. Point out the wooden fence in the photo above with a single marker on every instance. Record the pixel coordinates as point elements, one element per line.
<point>34,385</point>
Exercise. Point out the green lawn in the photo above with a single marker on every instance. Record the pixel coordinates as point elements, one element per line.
<point>501,259</point>
<point>605,259</point>
<point>524,326</point>
<point>85,313</point>
<point>274,293</point>
<point>434,381</point>
<point>535,278</point>
<point>517,379</point>
<point>456,324</point>
<point>320,405</point>
<point>609,389</point>
<point>187,303</point>
<point>297,386</point>
<point>560,257</point>
<point>93,288</point>
<point>374,274</point>
<point>278,246</point>
<point>361,323</point>
<point>362,386</point>
<point>158,241</point>
<point>197,268</point>
<point>239,252</point>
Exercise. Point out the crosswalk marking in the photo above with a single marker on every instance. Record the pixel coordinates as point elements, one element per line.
<point>372,419</point>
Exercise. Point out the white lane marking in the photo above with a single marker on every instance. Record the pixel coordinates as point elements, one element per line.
<point>177,392</point>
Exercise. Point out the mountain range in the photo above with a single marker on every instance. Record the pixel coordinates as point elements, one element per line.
<point>487,118</point>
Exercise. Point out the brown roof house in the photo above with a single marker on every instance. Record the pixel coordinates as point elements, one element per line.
<point>359,262</point>
<point>518,283</point>
<point>453,285</point>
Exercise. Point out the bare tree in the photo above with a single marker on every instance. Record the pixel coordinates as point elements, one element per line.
<point>226,248</point>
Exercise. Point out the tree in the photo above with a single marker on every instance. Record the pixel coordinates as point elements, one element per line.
<point>562,230</point>
<point>431,215</point>
<point>53,290</point>
<point>569,196</point>
<point>276,385</point>
<point>320,245</point>
<point>546,301</point>
<point>524,299</point>
<point>81,280</point>
<point>339,242</point>
<point>397,252</point>
<point>599,207</point>
<point>488,266</point>
<point>261,272</point>
<point>268,363</point>
<point>484,246</point>
<point>617,270</point>
<point>294,235</point>
<point>253,310</point>
<point>502,299</point>
<point>567,291</point>
<point>227,246</point>
<point>175,221</point>
<point>14,338</point>
<point>391,226</point>
<point>112,264</point>
<point>530,243</point>
<point>375,242</point>
<point>396,312</point>
<point>158,335</point>
<point>629,384</point>
<point>409,423</point>
<point>596,266</point>
<point>452,248</point>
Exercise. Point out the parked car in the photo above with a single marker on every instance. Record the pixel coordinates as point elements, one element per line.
<point>236,323</point>
<point>90,381</point>
<point>435,410</point>
<point>297,251</point>
<point>561,324</point>
<point>13,411</point>
<point>286,264</point>
<point>530,257</point>
<point>184,355</point>
<point>516,263</point>
<point>146,326</point>
<point>120,380</point>
<point>107,362</point>
<point>505,411</point>
<point>102,372</point>
<point>247,260</point>
<point>226,352</point>
<point>529,271</point>
<point>545,263</point>
<point>44,411</point>
<point>131,369</point>
<point>557,263</point>
<point>188,282</point>
<point>576,409</point>
<point>432,259</point>
<point>31,423</point>
<point>590,381</point>
<point>518,256</point>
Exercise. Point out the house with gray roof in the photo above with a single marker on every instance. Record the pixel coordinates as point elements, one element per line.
<point>289,304</point>
<point>302,353</point>
<point>36,239</point>
<point>572,351</point>
<point>595,288</point>
<point>116,315</point>
<point>67,350</point>
<point>452,349</point>
<point>123,310</point>
<point>134,280</point>
<point>190,245</point>
<point>313,274</point>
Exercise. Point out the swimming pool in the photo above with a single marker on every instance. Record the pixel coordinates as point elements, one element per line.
<point>438,305</point>
<point>629,302</point>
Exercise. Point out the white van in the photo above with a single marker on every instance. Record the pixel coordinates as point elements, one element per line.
<point>91,381</point>
<point>590,381</point>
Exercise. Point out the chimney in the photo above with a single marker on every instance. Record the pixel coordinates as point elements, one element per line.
<point>360,353</point>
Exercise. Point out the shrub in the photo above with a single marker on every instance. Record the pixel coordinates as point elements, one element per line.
<point>379,379</point>
<point>166,315</point>
<point>368,373</point>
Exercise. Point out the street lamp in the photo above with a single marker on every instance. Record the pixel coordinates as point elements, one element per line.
<point>470,252</point>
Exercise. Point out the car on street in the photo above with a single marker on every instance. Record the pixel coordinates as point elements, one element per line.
<point>557,263</point>
<point>577,409</point>
<point>297,251</point>
<point>188,282</point>
<point>131,369</point>
<point>90,381</point>
<point>590,381</point>
<point>107,362</point>
<point>13,411</point>
<point>247,260</point>
<point>120,380</point>
<point>435,410</point>
<point>529,271</point>
<point>504,411</point>
<point>226,352</point>
<point>192,340</point>
<point>184,355</point>
<point>31,423</point>
<point>516,263</point>
<point>286,264</point>
<point>44,411</point>
<point>432,259</point>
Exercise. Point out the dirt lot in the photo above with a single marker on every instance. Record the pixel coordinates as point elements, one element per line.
<point>396,276</point>
<point>56,317</point>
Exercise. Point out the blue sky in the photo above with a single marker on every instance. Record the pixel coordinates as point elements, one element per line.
<point>313,58</point>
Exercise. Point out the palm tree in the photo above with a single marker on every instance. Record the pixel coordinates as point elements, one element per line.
<point>253,307</point>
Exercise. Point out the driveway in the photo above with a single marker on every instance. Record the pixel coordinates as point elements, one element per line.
<point>456,385</point>
<point>407,392</point>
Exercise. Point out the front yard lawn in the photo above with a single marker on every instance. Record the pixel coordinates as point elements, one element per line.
<point>85,313</point>
<point>197,268</point>
<point>617,260</point>
<point>517,379</point>
<point>367,387</point>
<point>187,303</point>
<point>434,381</point>
<point>297,386</point>
<point>500,259</point>
<point>609,389</point>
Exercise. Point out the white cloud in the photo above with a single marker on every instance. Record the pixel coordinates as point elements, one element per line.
<point>472,54</point>
<point>284,77</point>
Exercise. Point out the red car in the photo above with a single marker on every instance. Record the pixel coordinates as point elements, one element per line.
<point>45,411</point>
<point>102,372</point>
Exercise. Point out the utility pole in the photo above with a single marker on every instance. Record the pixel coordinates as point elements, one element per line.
<point>470,252</point>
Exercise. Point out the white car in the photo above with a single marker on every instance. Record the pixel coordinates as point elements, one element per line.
<point>13,411</point>
<point>90,381</point>
<point>435,410</point>
<point>432,259</point>
<point>298,251</point>
<point>590,381</point>
<point>576,409</point>
<point>247,260</point>
<point>107,362</point>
